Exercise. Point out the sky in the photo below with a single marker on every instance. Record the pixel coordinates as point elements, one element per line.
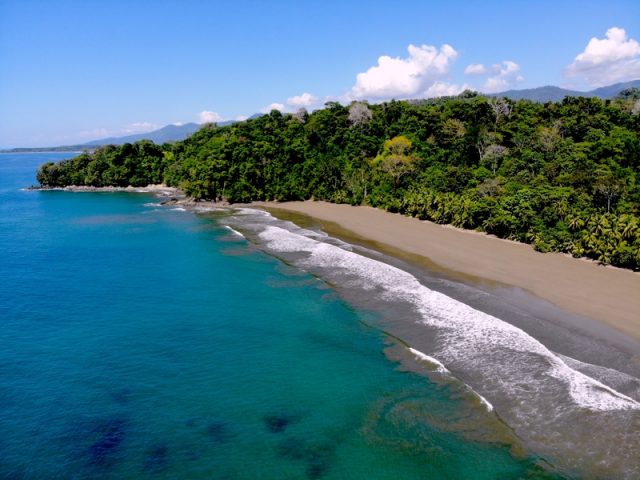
<point>75,71</point>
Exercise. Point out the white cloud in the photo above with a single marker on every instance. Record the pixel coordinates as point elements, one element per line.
<point>206,116</point>
<point>95,133</point>
<point>404,77</point>
<point>140,127</point>
<point>100,132</point>
<point>475,69</point>
<point>273,106</point>
<point>303,100</point>
<point>615,58</point>
<point>505,75</point>
<point>241,118</point>
<point>178,124</point>
<point>444,89</point>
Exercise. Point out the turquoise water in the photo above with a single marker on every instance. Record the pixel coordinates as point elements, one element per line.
<point>144,342</point>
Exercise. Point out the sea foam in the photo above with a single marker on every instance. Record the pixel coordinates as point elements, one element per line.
<point>552,404</point>
<point>234,231</point>
<point>467,335</point>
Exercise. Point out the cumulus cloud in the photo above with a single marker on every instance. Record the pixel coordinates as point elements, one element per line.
<point>444,89</point>
<point>101,132</point>
<point>272,106</point>
<point>140,127</point>
<point>615,58</point>
<point>504,75</point>
<point>207,116</point>
<point>404,77</point>
<point>303,100</point>
<point>475,69</point>
<point>241,118</point>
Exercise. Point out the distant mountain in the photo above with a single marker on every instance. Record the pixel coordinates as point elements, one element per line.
<point>614,90</point>
<point>170,133</point>
<point>556,94</point>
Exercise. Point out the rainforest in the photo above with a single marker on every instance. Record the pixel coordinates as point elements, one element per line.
<point>561,176</point>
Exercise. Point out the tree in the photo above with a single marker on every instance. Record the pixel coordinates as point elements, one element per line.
<point>563,176</point>
<point>396,159</point>
<point>549,137</point>
<point>608,187</point>
<point>301,115</point>
<point>493,154</point>
<point>501,108</point>
<point>359,113</point>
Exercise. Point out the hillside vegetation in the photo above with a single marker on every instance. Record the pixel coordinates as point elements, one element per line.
<point>561,176</point>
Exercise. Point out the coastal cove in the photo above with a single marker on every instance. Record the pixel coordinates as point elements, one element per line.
<point>320,241</point>
<point>299,309</point>
<point>143,341</point>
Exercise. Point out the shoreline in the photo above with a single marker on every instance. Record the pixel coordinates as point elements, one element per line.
<point>157,188</point>
<point>606,295</point>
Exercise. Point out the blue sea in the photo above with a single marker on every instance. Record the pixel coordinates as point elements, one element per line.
<point>145,341</point>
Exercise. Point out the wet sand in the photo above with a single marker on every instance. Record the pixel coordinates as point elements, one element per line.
<point>607,295</point>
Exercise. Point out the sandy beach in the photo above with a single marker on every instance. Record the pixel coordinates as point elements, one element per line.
<point>605,294</point>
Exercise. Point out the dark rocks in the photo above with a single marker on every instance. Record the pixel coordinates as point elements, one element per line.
<point>316,455</point>
<point>112,434</point>
<point>278,423</point>
<point>157,459</point>
<point>121,396</point>
<point>218,431</point>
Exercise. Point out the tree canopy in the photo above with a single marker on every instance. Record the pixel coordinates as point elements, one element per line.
<point>562,176</point>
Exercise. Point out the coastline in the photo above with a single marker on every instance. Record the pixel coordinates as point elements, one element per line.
<point>554,367</point>
<point>607,295</point>
<point>158,189</point>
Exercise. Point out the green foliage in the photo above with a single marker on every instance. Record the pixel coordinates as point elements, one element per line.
<point>561,176</point>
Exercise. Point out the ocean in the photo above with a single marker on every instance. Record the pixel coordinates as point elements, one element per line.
<point>144,341</point>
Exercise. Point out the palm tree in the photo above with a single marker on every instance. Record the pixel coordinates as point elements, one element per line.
<point>575,223</point>
<point>627,226</point>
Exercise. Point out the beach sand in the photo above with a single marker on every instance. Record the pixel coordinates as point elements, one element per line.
<point>607,295</point>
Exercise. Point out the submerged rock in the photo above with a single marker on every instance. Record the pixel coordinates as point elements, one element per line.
<point>218,431</point>
<point>279,423</point>
<point>316,455</point>
<point>157,459</point>
<point>112,435</point>
<point>121,396</point>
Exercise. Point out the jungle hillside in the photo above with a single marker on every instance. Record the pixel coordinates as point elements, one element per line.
<point>561,176</point>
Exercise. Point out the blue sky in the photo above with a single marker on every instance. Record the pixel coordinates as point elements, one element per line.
<point>74,71</point>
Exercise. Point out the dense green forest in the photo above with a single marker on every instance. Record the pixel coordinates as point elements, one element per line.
<point>562,176</point>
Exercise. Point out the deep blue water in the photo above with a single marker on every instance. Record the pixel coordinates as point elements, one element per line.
<point>139,341</point>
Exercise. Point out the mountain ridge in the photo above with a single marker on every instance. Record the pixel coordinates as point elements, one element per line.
<point>168,133</point>
<point>551,93</point>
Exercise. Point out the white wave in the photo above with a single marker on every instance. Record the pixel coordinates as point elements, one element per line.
<point>609,376</point>
<point>179,209</point>
<point>151,204</point>
<point>234,231</point>
<point>430,360</point>
<point>252,211</point>
<point>440,368</point>
<point>484,402</point>
<point>587,390</point>
<point>470,339</point>
<point>204,209</point>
